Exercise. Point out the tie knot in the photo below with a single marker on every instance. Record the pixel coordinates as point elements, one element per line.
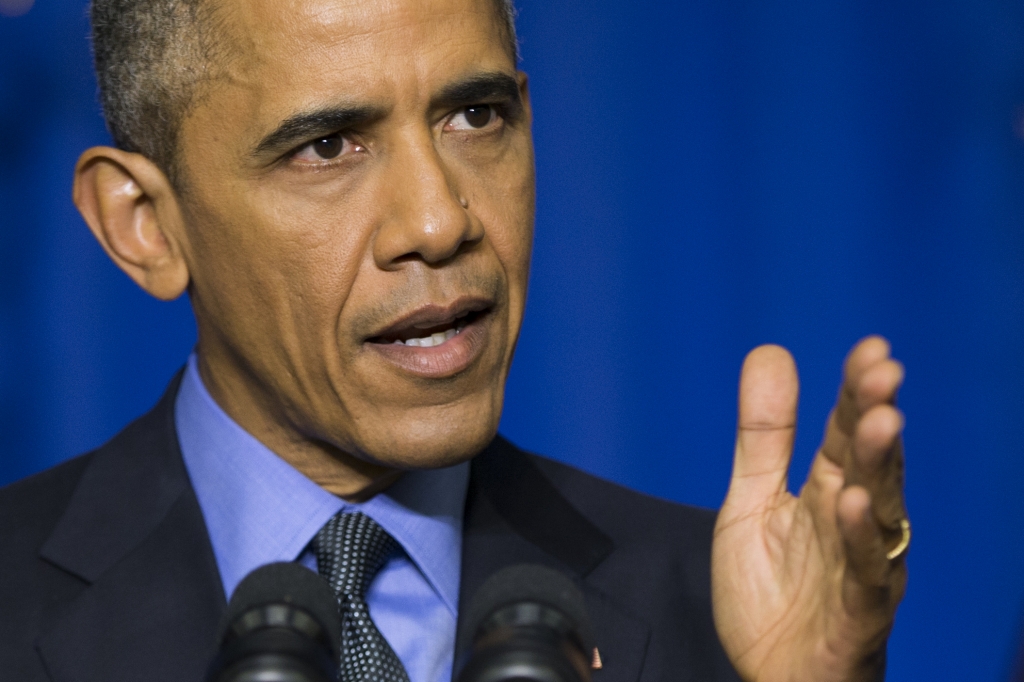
<point>350,549</point>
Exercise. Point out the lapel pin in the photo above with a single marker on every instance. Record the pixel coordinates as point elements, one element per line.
<point>596,663</point>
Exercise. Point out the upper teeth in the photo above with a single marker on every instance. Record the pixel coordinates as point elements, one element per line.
<point>435,339</point>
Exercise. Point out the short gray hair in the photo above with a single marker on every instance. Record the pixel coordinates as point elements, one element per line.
<point>151,56</point>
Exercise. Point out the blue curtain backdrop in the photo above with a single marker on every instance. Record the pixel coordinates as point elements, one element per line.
<point>713,174</point>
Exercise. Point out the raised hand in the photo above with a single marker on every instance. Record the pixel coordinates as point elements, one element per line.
<point>804,588</point>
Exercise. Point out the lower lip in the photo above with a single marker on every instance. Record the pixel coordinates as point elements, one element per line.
<point>438,362</point>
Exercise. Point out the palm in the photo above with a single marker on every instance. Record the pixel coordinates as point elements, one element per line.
<point>801,586</point>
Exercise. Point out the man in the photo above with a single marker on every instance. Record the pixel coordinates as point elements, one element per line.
<point>345,190</point>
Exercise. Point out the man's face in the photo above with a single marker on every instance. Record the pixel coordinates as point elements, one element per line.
<point>359,212</point>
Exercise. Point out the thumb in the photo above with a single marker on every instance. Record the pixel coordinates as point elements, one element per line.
<point>769,389</point>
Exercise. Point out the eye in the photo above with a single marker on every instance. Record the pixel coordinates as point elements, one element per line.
<point>473,117</point>
<point>324,149</point>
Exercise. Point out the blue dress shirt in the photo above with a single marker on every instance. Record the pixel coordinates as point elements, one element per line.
<point>259,509</point>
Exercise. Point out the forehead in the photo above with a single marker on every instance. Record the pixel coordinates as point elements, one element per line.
<point>282,50</point>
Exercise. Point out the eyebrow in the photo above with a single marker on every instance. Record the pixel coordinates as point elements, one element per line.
<point>480,88</point>
<point>307,125</point>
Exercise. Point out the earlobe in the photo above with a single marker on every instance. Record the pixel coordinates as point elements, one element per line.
<point>132,210</point>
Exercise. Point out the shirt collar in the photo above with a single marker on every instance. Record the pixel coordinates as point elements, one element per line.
<point>260,509</point>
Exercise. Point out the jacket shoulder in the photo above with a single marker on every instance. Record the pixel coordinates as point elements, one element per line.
<point>626,515</point>
<point>101,551</point>
<point>31,507</point>
<point>33,590</point>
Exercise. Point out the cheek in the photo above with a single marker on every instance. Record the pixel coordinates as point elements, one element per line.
<point>283,263</point>
<point>513,217</point>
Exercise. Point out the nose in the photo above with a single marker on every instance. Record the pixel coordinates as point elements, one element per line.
<point>429,219</point>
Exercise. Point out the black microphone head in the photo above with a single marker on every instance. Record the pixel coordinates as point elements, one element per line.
<point>526,623</point>
<point>285,583</point>
<point>529,583</point>
<point>282,624</point>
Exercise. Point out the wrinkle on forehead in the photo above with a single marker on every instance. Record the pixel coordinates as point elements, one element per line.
<point>270,27</point>
<point>316,42</point>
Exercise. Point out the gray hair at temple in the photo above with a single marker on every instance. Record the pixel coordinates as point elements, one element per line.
<point>150,58</point>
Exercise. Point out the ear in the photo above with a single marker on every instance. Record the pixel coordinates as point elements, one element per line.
<point>133,211</point>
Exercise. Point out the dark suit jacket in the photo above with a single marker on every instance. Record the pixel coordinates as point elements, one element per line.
<point>107,573</point>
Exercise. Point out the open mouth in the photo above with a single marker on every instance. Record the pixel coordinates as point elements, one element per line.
<point>436,341</point>
<point>432,327</point>
<point>427,337</point>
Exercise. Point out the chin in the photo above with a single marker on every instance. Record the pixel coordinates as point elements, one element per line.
<point>444,441</point>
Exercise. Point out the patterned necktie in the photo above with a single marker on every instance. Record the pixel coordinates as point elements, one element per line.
<point>350,549</point>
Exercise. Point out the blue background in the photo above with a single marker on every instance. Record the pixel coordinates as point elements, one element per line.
<point>713,174</point>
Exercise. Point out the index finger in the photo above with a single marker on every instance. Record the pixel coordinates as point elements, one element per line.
<point>870,377</point>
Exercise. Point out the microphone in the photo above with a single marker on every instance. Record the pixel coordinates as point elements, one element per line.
<point>282,625</point>
<point>528,623</point>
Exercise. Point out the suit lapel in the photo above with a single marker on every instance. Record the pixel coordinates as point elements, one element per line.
<point>134,532</point>
<point>514,514</point>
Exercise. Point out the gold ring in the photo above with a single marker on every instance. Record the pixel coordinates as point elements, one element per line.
<point>904,541</point>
